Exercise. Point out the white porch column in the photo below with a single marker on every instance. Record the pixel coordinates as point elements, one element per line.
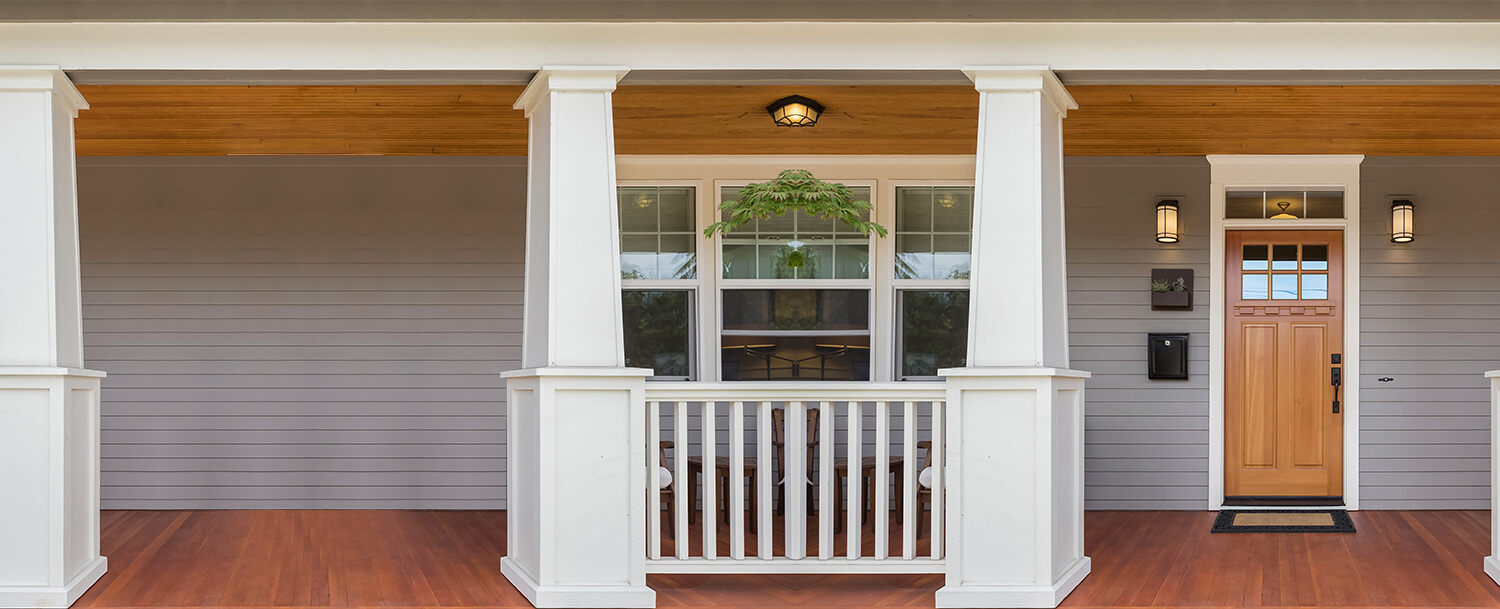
<point>1015,420</point>
<point>576,416</point>
<point>1492,562</point>
<point>49,405</point>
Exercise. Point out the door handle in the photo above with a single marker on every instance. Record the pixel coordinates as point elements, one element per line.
<point>1336,378</point>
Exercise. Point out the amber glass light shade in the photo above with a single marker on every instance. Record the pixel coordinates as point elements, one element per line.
<point>795,111</point>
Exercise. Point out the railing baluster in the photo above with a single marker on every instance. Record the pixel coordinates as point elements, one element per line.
<point>794,484</point>
<point>909,481</point>
<point>653,465</point>
<point>683,496</point>
<point>827,511</point>
<point>710,481</point>
<point>939,467</point>
<point>737,480</point>
<point>880,510</point>
<point>765,533</point>
<point>853,497</point>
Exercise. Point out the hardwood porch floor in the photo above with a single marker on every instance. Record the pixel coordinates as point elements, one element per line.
<point>410,559</point>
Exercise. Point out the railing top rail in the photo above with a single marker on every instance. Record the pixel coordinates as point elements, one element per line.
<point>797,392</point>
<point>1492,374</point>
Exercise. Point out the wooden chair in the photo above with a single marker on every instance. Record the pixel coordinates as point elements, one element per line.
<point>722,482</point>
<point>867,482</point>
<point>778,440</point>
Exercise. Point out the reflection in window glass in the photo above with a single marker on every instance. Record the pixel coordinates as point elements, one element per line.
<point>783,357</point>
<point>1283,205</point>
<point>1314,286</point>
<point>657,232</point>
<point>934,331</point>
<point>795,246</point>
<point>658,331</point>
<point>1283,287</point>
<point>1283,257</point>
<point>1244,205</point>
<point>933,225</point>
<point>796,310</point>
<point>1254,287</point>
<point>1314,257</point>
<point>1325,204</point>
<point>1255,257</point>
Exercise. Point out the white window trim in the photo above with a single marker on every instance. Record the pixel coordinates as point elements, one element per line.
<point>697,368</point>
<point>892,286</point>
<point>882,172</point>
<point>1289,172</point>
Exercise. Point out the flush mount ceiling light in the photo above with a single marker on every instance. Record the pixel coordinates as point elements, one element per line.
<point>1166,221</point>
<point>643,201</point>
<point>1401,221</point>
<point>795,111</point>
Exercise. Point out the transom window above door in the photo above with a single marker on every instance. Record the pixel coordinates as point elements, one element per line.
<point>1283,205</point>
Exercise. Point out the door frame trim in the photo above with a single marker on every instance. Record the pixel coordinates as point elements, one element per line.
<point>1292,172</point>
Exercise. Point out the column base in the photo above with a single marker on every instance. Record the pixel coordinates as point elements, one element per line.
<point>1492,568</point>
<point>54,596</point>
<point>1037,597</point>
<point>545,597</point>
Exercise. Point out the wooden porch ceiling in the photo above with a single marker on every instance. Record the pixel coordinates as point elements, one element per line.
<point>1112,120</point>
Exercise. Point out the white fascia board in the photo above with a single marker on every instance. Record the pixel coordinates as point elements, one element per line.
<point>754,46</point>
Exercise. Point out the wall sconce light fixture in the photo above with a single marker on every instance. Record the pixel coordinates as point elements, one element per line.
<point>1166,221</point>
<point>1401,221</point>
<point>795,111</point>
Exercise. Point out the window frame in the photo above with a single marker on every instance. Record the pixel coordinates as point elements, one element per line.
<point>694,286</point>
<point>897,286</point>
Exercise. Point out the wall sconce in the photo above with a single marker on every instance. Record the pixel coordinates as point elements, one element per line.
<point>1166,221</point>
<point>1401,221</point>
<point>795,111</point>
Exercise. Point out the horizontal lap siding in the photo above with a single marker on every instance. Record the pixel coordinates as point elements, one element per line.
<point>1146,442</point>
<point>1430,319</point>
<point>302,332</point>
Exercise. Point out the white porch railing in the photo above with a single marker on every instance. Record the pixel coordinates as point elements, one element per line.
<point>751,441</point>
<point>1492,562</point>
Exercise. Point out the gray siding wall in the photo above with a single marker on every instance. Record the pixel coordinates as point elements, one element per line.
<point>1431,323</point>
<point>301,331</point>
<point>1146,442</point>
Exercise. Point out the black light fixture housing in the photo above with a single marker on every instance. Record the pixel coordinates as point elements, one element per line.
<point>1401,221</point>
<point>1166,221</point>
<point>795,111</point>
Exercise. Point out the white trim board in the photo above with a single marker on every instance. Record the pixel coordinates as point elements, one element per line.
<point>1292,172</point>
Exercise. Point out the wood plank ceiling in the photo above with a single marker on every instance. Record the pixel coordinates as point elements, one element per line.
<point>1120,120</point>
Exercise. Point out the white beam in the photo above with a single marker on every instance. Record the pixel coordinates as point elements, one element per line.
<point>755,46</point>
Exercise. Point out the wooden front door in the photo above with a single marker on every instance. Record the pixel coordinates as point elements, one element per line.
<point>1283,430</point>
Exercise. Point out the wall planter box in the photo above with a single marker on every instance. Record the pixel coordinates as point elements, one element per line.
<point>1174,300</point>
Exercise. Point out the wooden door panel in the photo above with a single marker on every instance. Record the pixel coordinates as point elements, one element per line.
<point>1258,417</point>
<point>1281,437</point>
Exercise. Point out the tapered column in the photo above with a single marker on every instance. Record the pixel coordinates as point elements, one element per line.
<point>1015,420</point>
<point>576,416</point>
<point>1492,562</point>
<point>49,405</point>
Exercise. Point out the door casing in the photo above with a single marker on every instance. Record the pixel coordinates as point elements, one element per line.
<point>1290,172</point>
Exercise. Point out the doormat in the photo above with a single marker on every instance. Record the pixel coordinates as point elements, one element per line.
<point>1283,521</point>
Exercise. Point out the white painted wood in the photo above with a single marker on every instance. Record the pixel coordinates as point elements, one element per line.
<point>880,495</point>
<point>1310,172</point>
<point>827,420</point>
<point>49,404</point>
<point>1133,47</point>
<point>1015,481</point>
<point>910,509</point>
<point>685,501</point>
<point>787,565</point>
<point>764,474</point>
<point>653,462</point>
<point>794,481</point>
<point>853,509</point>
<point>737,480</point>
<point>576,416</point>
<point>1014,421</point>
<point>1492,562</point>
<point>709,435</point>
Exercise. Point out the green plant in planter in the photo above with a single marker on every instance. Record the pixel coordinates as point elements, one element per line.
<point>1180,285</point>
<point>1161,285</point>
<point>795,189</point>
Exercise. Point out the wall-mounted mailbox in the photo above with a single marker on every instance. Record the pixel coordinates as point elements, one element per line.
<point>1167,356</point>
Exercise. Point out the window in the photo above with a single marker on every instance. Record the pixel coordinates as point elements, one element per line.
<point>795,246</point>
<point>1283,205</point>
<point>659,278</point>
<point>791,334</point>
<point>934,331</point>
<point>933,233</point>
<point>658,232</point>
<point>659,331</point>
<point>933,226</point>
<point>1278,272</point>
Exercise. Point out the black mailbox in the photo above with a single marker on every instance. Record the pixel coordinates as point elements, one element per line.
<point>1167,356</point>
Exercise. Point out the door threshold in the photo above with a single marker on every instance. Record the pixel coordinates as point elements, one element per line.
<point>1253,502</point>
